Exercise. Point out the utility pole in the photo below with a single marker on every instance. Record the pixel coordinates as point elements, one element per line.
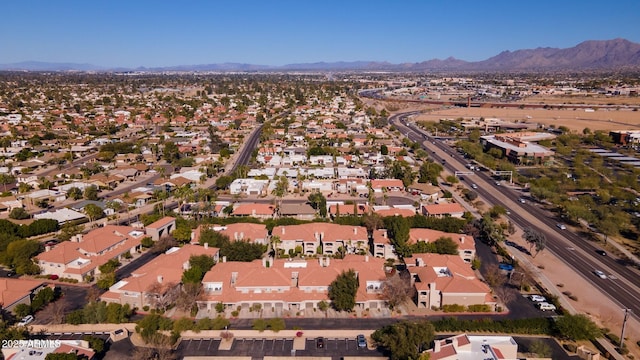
<point>624,324</point>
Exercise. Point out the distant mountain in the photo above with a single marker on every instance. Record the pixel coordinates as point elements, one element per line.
<point>47,66</point>
<point>588,55</point>
<point>608,54</point>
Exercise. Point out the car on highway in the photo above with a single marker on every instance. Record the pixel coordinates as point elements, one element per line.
<point>537,298</point>
<point>26,320</point>
<point>362,341</point>
<point>474,186</point>
<point>561,226</point>
<point>522,201</point>
<point>601,252</point>
<point>497,183</point>
<point>507,267</point>
<point>320,343</point>
<point>600,274</point>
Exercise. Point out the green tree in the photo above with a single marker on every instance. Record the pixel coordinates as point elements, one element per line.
<point>405,339</point>
<point>384,150</point>
<point>535,239</point>
<point>74,193</point>
<point>106,280</point>
<point>19,213</point>
<point>18,256</point>
<point>577,327</point>
<point>22,310</point>
<point>93,212</point>
<point>445,245</point>
<point>398,230</point>
<point>91,193</point>
<point>318,202</point>
<point>343,289</point>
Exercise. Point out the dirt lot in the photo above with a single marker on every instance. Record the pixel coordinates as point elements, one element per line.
<point>573,119</point>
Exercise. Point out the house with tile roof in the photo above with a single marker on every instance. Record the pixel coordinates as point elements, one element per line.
<point>81,257</point>
<point>18,291</point>
<point>158,279</point>
<point>466,243</point>
<point>444,209</point>
<point>446,280</point>
<point>257,210</point>
<point>328,238</point>
<point>162,227</point>
<point>381,245</point>
<point>380,185</point>
<point>290,285</point>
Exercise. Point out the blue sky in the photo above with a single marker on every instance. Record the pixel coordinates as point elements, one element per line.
<point>166,32</point>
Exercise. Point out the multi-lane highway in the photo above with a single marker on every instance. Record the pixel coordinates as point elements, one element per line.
<point>622,283</point>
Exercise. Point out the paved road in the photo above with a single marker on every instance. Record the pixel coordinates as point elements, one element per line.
<point>623,283</point>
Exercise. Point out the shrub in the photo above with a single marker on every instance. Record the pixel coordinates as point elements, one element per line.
<point>613,338</point>
<point>235,313</point>
<point>453,308</point>
<point>145,308</point>
<point>219,307</point>
<point>570,347</point>
<point>259,325</point>
<point>479,308</point>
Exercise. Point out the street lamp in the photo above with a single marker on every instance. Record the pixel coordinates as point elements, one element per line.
<point>624,325</point>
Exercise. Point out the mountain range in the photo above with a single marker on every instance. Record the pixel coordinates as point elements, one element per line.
<point>613,54</point>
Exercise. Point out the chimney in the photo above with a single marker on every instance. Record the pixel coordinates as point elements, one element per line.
<point>160,279</point>
<point>224,259</point>
<point>235,235</point>
<point>461,239</point>
<point>283,230</point>
<point>206,245</point>
<point>253,212</point>
<point>321,261</point>
<point>241,236</point>
<point>47,248</point>
<point>322,235</point>
<point>264,262</point>
<point>384,234</point>
<point>436,346</point>
<point>355,230</point>
<point>366,258</point>
<point>326,262</point>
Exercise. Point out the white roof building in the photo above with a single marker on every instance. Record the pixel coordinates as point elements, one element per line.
<point>61,215</point>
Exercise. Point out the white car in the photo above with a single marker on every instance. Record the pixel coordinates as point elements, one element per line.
<point>25,320</point>
<point>523,201</point>
<point>474,186</point>
<point>600,274</point>
<point>538,298</point>
<point>544,306</point>
<point>561,226</point>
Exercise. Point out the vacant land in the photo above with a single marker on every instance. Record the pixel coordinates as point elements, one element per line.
<point>575,120</point>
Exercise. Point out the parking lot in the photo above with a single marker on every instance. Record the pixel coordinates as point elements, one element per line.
<point>335,348</point>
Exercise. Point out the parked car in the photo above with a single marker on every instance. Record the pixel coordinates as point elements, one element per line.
<point>474,186</point>
<point>25,320</point>
<point>362,341</point>
<point>561,226</point>
<point>600,274</point>
<point>507,267</point>
<point>320,343</point>
<point>53,277</point>
<point>538,298</point>
<point>544,306</point>
<point>523,201</point>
